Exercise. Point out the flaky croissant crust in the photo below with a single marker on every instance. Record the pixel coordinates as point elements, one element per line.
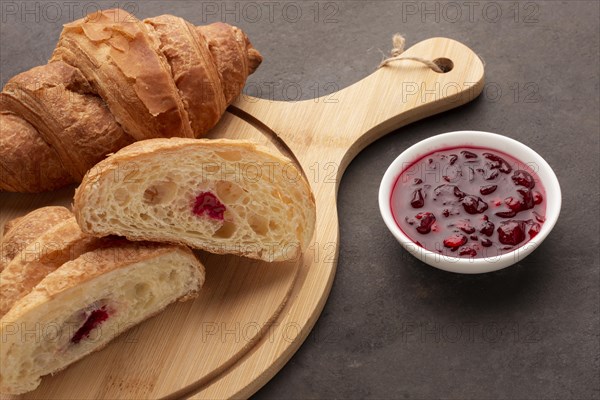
<point>112,80</point>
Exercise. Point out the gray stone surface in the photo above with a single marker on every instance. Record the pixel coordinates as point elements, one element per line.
<point>394,327</point>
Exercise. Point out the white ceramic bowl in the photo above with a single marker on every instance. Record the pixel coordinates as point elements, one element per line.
<point>474,139</point>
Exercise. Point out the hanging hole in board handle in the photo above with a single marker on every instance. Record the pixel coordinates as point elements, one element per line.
<point>445,64</point>
<point>440,65</point>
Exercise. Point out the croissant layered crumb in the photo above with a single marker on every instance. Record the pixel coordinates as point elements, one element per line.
<point>220,195</point>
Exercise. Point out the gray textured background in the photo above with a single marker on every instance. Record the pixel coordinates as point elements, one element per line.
<point>394,327</point>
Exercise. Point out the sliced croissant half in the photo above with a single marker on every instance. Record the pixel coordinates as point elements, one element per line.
<point>86,302</point>
<point>223,196</point>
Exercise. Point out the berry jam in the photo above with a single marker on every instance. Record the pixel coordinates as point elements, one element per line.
<point>94,320</point>
<point>469,202</point>
<point>207,204</point>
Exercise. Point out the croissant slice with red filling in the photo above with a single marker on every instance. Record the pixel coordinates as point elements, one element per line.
<point>223,196</point>
<point>87,302</point>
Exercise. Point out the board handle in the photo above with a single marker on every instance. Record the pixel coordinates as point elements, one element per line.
<point>393,96</point>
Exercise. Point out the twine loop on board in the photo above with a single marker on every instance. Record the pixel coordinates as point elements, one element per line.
<point>396,55</point>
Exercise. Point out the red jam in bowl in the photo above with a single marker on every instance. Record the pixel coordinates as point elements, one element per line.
<point>469,202</point>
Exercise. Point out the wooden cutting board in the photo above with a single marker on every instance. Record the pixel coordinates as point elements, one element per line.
<point>252,316</point>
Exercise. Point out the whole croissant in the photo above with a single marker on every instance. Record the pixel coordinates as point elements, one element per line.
<point>112,80</point>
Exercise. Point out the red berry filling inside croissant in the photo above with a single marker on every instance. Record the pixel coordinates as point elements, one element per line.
<point>208,204</point>
<point>94,319</point>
